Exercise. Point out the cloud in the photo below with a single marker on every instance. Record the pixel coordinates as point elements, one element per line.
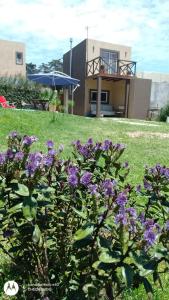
<point>47,25</point>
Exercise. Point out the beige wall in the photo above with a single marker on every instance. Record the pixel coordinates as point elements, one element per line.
<point>94,47</point>
<point>8,66</point>
<point>139,98</point>
<point>116,89</point>
<point>154,76</point>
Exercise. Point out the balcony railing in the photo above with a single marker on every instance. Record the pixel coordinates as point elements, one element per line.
<point>116,67</point>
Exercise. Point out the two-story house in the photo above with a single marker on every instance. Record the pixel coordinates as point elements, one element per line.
<point>108,82</point>
<point>12,58</point>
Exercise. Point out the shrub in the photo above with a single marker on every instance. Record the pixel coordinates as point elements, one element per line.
<point>164,113</point>
<point>18,90</point>
<point>74,228</point>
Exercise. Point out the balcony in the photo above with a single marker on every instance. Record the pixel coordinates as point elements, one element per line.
<point>117,68</point>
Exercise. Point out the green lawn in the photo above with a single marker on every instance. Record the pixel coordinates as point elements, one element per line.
<point>148,145</point>
<point>149,148</point>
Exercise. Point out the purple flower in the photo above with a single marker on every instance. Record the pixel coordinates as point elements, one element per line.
<point>93,189</point>
<point>76,144</point>
<point>52,152</point>
<point>29,140</point>
<point>138,188</point>
<point>167,225</point>
<point>49,144</point>
<point>86,178</point>
<point>125,165</point>
<point>141,217</point>
<point>121,199</point>
<point>106,145</point>
<point>121,218</point>
<point>30,169</point>
<point>132,227</point>
<point>108,187</point>
<point>2,158</point>
<point>149,237</point>
<point>90,141</point>
<point>147,185</point>
<point>166,173</point>
<point>19,156</point>
<point>73,170</point>
<point>13,134</point>
<point>73,180</point>
<point>9,154</point>
<point>98,146</point>
<point>119,147</point>
<point>48,161</point>
<point>33,163</point>
<point>83,150</point>
<point>132,212</point>
<point>149,223</point>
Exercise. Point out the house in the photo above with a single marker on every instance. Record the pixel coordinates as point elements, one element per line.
<point>12,58</point>
<point>159,88</point>
<point>108,82</point>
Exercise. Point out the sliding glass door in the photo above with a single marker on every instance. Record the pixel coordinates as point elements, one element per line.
<point>110,58</point>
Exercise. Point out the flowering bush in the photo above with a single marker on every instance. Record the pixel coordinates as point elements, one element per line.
<point>77,226</point>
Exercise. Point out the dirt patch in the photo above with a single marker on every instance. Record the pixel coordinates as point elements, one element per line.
<point>137,134</point>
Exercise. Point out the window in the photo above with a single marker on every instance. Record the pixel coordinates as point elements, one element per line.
<point>19,58</point>
<point>104,96</point>
<point>111,59</point>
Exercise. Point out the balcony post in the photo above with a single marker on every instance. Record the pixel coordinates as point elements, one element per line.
<point>127,92</point>
<point>98,103</point>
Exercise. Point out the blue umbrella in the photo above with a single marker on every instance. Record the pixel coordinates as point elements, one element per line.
<point>54,79</point>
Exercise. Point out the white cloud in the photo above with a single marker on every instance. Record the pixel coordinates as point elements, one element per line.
<point>48,24</point>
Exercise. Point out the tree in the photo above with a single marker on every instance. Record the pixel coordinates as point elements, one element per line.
<point>31,68</point>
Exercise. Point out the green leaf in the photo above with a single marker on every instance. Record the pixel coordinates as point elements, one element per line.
<point>104,243</point>
<point>15,208</point>
<point>83,233</point>
<point>148,287</point>
<point>109,258</point>
<point>1,203</point>
<point>36,236</point>
<point>22,190</point>
<point>29,208</point>
<point>128,274</point>
<point>80,213</point>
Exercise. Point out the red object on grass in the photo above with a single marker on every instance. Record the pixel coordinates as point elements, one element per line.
<point>4,103</point>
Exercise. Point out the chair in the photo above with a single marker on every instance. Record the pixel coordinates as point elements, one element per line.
<point>4,103</point>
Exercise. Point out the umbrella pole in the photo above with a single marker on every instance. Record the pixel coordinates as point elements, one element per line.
<point>72,100</point>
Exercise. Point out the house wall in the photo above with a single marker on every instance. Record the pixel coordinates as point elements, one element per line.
<point>8,66</point>
<point>116,95</point>
<point>159,88</point>
<point>94,47</point>
<point>78,71</point>
<point>139,98</point>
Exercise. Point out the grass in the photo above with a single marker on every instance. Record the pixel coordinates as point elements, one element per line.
<point>145,149</point>
<point>66,128</point>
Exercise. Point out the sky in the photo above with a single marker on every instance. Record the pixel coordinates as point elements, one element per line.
<point>46,26</point>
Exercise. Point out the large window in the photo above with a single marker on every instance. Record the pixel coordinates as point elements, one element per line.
<point>110,58</point>
<point>19,58</point>
<point>104,96</point>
